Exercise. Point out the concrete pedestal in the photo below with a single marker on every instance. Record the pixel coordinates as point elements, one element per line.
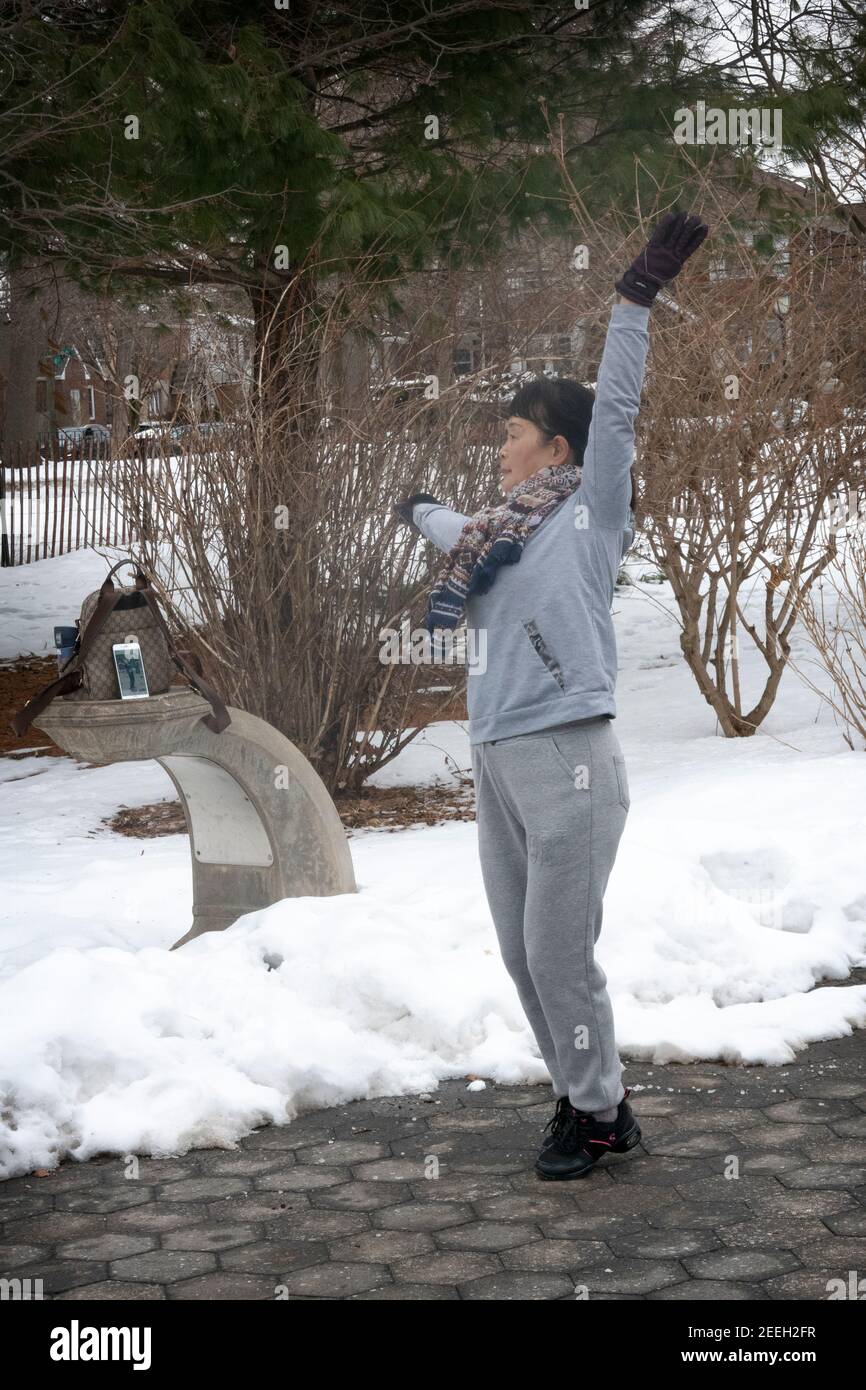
<point>261,823</point>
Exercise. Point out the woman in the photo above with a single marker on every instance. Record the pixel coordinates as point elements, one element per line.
<point>535,577</point>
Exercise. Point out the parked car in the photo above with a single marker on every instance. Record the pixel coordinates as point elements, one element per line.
<point>153,437</point>
<point>76,441</point>
<point>206,429</point>
<point>159,436</point>
<point>80,441</point>
<point>398,390</point>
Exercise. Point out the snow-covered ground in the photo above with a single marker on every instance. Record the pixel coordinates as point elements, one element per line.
<point>739,886</point>
<point>35,597</point>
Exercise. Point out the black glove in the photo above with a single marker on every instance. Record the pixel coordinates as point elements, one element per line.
<point>676,237</point>
<point>404,508</point>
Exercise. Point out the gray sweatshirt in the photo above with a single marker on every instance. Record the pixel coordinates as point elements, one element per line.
<point>541,648</point>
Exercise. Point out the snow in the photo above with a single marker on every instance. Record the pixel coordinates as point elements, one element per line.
<point>35,597</point>
<point>738,889</point>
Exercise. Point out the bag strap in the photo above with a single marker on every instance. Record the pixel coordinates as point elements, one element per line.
<point>109,597</point>
<point>21,721</point>
<point>220,718</point>
<point>71,674</point>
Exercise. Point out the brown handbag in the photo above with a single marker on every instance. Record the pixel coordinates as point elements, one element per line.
<point>111,615</point>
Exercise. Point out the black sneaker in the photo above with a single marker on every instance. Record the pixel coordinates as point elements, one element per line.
<point>578,1141</point>
<point>560,1119</point>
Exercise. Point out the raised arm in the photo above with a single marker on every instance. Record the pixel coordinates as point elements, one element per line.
<point>605,484</point>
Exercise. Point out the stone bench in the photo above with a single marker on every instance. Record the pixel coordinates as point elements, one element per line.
<point>262,825</point>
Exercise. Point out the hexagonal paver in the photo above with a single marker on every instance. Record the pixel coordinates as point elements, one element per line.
<point>488,1235</point>
<point>224,1287</point>
<point>300,1179</point>
<point>405,1293</point>
<point>662,1245</point>
<point>818,1112</point>
<point>335,1280</point>
<point>708,1291</point>
<point>247,1165</point>
<point>516,1286</point>
<point>14,1255</point>
<point>342,1152</point>
<point>159,1216</point>
<point>554,1256</point>
<point>107,1246</point>
<point>202,1189</point>
<point>773,1232</point>
<point>702,1215</point>
<point>274,1257</point>
<point>624,1275</point>
<point>422,1216</point>
<point>323,1225</point>
<point>844,1175</point>
<point>262,1206</point>
<point>59,1275</point>
<point>99,1199</point>
<point>408,1198</point>
<point>446,1267</point>
<point>113,1290</point>
<point>382,1247</point>
<point>163,1266</point>
<point>210,1235</point>
<point>362,1196</point>
<point>741,1265</point>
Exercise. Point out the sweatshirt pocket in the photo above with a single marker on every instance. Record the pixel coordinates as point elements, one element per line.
<point>544,652</point>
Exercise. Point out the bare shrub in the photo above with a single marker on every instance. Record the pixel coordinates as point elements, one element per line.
<point>284,567</point>
<point>834,615</point>
<point>753,415</point>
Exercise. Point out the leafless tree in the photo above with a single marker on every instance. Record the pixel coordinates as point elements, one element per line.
<point>279,555</point>
<point>834,615</point>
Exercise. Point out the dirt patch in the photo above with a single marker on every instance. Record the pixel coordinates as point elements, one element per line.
<point>146,822</point>
<point>19,682</point>
<point>392,808</point>
<point>378,808</point>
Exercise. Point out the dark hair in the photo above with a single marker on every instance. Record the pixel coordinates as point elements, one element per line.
<point>557,405</point>
<point>560,405</point>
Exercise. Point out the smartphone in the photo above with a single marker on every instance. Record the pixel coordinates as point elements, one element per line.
<point>130,671</point>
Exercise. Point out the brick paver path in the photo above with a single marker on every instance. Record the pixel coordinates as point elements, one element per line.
<point>347,1203</point>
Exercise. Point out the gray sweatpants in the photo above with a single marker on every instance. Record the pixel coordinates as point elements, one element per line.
<point>551,808</point>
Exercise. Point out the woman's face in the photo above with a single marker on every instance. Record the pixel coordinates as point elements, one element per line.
<point>525,450</point>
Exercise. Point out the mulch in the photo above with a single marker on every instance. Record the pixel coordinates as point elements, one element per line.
<point>19,681</point>
<point>375,808</point>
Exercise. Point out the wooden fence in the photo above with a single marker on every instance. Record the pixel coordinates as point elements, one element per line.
<point>54,501</point>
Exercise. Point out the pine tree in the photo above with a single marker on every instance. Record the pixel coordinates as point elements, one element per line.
<point>272,146</point>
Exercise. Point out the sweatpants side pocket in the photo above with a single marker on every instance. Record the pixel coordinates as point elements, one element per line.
<point>622,781</point>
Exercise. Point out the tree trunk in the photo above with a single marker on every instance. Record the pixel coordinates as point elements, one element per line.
<point>29,325</point>
<point>288,350</point>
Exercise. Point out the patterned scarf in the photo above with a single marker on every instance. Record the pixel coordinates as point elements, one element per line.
<point>495,536</point>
